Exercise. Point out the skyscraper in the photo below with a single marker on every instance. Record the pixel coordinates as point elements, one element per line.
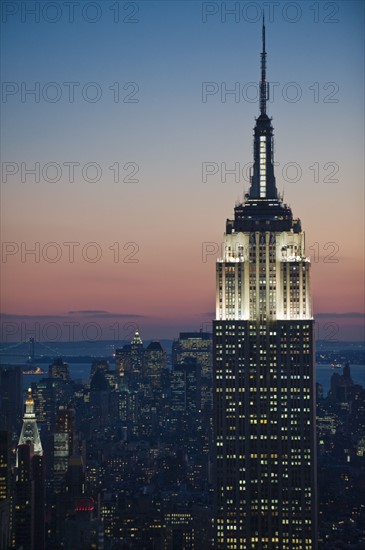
<point>194,344</point>
<point>137,351</point>
<point>5,495</point>
<point>30,483</point>
<point>30,431</point>
<point>11,397</point>
<point>24,499</point>
<point>59,369</point>
<point>264,381</point>
<point>154,363</point>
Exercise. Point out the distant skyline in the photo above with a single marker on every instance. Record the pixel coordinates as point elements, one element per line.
<point>170,128</point>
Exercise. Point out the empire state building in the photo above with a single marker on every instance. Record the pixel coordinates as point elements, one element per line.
<point>264,373</point>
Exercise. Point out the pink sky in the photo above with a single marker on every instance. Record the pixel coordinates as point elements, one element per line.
<point>169,133</point>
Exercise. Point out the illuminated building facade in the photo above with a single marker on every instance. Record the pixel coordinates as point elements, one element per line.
<point>30,431</point>
<point>30,483</point>
<point>264,381</point>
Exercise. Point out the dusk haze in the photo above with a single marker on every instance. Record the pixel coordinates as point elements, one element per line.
<point>160,107</point>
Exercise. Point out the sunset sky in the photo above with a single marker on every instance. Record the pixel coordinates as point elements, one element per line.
<point>160,133</point>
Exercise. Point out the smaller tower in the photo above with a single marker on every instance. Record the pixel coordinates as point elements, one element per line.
<point>29,486</point>
<point>137,350</point>
<point>30,429</point>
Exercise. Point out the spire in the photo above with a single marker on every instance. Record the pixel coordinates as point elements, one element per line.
<point>263,185</point>
<point>263,208</point>
<point>263,84</point>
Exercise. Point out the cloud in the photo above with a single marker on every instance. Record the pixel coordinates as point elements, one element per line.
<point>87,312</point>
<point>100,313</point>
<point>16,316</point>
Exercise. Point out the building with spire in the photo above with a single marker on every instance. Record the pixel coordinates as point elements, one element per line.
<point>30,431</point>
<point>29,485</point>
<point>137,351</point>
<point>264,375</point>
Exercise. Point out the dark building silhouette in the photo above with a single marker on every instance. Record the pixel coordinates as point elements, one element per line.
<point>264,387</point>
<point>342,385</point>
<point>154,363</point>
<point>125,411</point>
<point>123,361</point>
<point>199,346</point>
<point>129,362</point>
<point>24,499</point>
<point>186,388</point>
<point>194,344</point>
<point>99,398</point>
<point>11,397</point>
<point>59,369</point>
<point>38,478</point>
<point>5,491</point>
<point>99,364</point>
